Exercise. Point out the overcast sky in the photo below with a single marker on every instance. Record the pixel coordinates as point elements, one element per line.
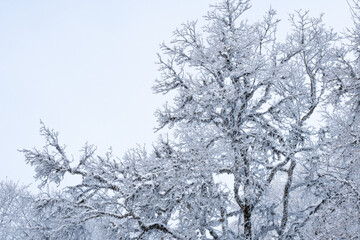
<point>85,68</point>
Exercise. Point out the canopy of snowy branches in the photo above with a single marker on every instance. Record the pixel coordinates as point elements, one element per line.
<point>265,143</point>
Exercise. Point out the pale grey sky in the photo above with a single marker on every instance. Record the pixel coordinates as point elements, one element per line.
<point>86,68</point>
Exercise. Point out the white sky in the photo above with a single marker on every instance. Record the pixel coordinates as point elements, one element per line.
<point>86,68</point>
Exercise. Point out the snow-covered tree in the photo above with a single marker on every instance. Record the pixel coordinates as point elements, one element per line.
<point>338,214</point>
<point>249,158</point>
<point>114,199</point>
<point>251,99</point>
<point>17,213</point>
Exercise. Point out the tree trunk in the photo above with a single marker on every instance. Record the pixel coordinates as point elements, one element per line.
<point>247,222</point>
<point>247,206</point>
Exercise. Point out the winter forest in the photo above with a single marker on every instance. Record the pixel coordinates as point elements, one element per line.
<point>263,143</point>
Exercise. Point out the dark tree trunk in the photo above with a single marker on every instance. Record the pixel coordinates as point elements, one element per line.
<point>247,222</point>
<point>247,203</point>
